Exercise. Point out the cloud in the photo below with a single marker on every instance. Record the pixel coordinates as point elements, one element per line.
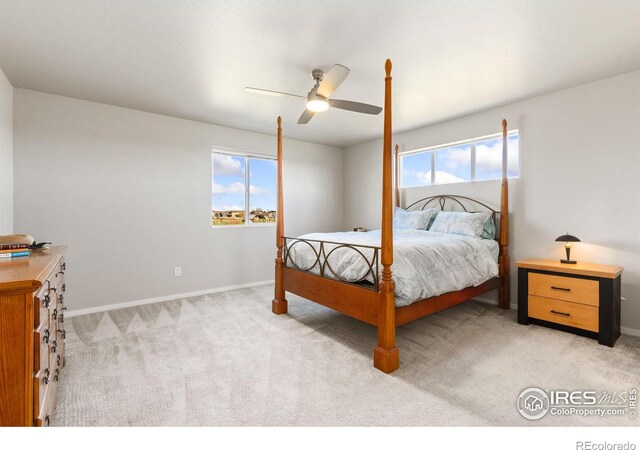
<point>237,188</point>
<point>442,177</point>
<point>227,165</point>
<point>454,158</point>
<point>233,188</point>
<point>424,177</point>
<point>489,158</point>
<point>227,208</point>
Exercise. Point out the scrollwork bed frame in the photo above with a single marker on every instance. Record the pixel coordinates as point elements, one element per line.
<point>374,303</point>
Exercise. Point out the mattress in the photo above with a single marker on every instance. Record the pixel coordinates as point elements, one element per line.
<point>425,263</point>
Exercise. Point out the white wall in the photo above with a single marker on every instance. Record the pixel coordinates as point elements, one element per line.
<point>580,172</point>
<point>6,155</point>
<point>130,194</point>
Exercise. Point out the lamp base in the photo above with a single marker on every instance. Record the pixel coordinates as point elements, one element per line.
<point>568,261</point>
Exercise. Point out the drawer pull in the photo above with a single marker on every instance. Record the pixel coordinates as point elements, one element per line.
<point>45,336</point>
<point>47,421</point>
<point>54,346</point>
<point>56,377</point>
<point>61,319</point>
<point>63,266</point>
<point>63,333</point>
<point>64,287</point>
<point>560,313</point>
<point>556,288</point>
<point>58,360</point>
<point>45,380</point>
<point>47,301</point>
<point>54,314</point>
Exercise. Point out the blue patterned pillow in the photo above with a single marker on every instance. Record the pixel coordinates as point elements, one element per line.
<point>412,220</point>
<point>463,223</point>
<point>489,229</point>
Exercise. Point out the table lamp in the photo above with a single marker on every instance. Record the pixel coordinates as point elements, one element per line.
<point>567,239</point>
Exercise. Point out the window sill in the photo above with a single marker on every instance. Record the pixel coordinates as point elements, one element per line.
<point>253,225</point>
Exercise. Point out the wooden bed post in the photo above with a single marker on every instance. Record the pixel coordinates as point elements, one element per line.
<point>279,303</point>
<point>503,260</point>
<point>386,355</point>
<point>397,177</point>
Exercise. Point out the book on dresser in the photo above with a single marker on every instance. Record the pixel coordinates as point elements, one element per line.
<point>32,305</point>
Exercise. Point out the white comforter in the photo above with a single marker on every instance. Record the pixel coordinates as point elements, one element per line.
<point>425,263</point>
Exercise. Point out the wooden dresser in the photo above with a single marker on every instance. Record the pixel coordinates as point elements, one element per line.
<point>32,291</point>
<point>580,298</point>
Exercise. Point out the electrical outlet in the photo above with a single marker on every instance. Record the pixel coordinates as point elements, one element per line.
<point>177,271</point>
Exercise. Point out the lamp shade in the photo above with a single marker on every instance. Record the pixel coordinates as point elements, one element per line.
<point>567,238</point>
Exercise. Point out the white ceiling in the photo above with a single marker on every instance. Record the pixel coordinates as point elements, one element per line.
<point>192,59</point>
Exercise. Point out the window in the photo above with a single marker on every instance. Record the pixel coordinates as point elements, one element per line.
<point>243,189</point>
<point>472,160</point>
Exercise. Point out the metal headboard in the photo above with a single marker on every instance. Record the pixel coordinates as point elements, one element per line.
<point>441,201</point>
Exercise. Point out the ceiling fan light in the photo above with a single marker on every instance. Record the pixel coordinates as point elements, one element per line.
<point>317,105</point>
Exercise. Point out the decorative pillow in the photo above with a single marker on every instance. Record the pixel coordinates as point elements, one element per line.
<point>489,229</point>
<point>412,220</point>
<point>463,223</point>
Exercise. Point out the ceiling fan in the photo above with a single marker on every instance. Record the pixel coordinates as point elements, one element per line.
<point>318,97</point>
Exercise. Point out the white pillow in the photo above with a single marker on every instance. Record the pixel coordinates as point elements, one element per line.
<point>459,222</point>
<point>412,220</point>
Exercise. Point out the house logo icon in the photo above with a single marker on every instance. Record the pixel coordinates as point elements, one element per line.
<point>533,403</point>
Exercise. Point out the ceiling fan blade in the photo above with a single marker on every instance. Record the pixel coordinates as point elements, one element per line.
<point>355,106</point>
<point>332,80</point>
<point>271,93</point>
<point>305,117</point>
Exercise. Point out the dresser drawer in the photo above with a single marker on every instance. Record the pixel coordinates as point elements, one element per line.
<point>42,338</point>
<point>571,289</point>
<point>565,313</point>
<point>44,413</point>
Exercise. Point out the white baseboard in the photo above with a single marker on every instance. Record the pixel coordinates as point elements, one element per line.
<point>630,331</point>
<point>624,330</point>
<point>146,301</point>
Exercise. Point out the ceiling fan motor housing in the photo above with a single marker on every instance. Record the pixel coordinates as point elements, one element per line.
<point>318,75</point>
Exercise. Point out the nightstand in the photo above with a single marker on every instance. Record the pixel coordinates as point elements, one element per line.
<point>579,298</point>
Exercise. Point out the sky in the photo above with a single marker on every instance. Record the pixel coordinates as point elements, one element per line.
<point>228,183</point>
<point>453,164</point>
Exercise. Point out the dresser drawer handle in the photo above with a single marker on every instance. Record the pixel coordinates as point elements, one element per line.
<point>560,313</point>
<point>47,421</point>
<point>556,288</point>
<point>47,301</point>
<point>45,336</point>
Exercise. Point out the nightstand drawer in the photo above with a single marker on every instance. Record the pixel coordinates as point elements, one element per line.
<point>571,289</point>
<point>565,313</point>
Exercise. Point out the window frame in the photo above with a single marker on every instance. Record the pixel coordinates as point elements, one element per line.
<point>432,150</point>
<point>247,185</point>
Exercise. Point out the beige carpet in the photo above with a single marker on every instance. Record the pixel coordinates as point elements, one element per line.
<point>225,359</point>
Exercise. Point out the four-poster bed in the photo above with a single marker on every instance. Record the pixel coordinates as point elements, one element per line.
<point>372,297</point>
